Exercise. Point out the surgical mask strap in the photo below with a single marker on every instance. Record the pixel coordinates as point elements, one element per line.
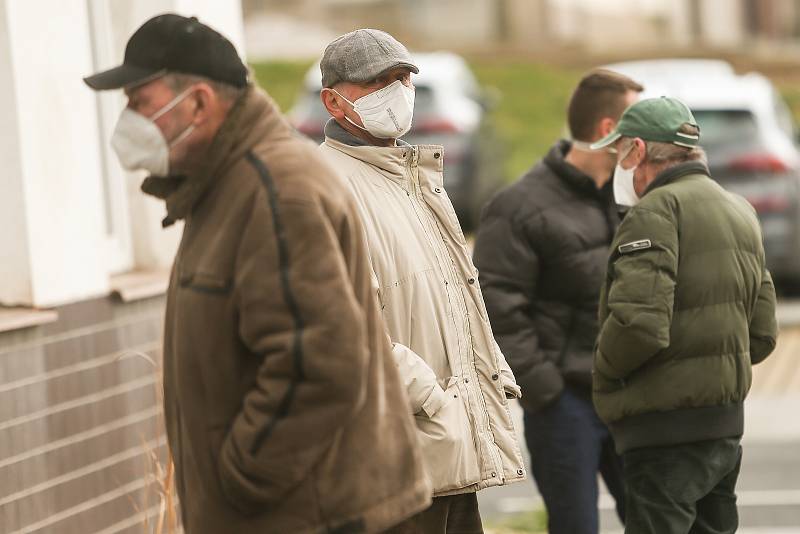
<point>166,109</point>
<point>583,146</point>
<point>352,105</point>
<point>170,105</point>
<point>183,135</point>
<point>628,153</point>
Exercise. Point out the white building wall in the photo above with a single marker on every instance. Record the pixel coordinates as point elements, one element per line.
<point>723,23</point>
<point>14,252</point>
<point>58,150</point>
<point>58,170</point>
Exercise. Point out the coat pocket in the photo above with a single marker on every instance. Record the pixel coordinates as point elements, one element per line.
<point>450,456</point>
<point>206,283</point>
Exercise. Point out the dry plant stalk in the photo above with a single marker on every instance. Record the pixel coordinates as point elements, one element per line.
<point>166,521</point>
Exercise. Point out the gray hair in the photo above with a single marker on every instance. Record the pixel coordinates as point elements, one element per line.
<point>668,154</point>
<point>178,82</point>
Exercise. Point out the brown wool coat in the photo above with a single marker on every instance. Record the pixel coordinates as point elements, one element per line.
<point>284,410</point>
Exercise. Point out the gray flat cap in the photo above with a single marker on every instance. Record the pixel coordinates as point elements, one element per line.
<point>361,55</point>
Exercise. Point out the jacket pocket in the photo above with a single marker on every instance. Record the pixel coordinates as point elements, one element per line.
<point>207,283</point>
<point>602,383</point>
<point>451,460</point>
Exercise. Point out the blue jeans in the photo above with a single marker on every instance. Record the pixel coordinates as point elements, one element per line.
<point>569,445</point>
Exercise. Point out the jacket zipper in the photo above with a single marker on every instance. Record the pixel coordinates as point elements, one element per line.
<point>449,268</point>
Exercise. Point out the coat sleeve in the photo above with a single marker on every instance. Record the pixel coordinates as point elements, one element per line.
<point>763,325</point>
<point>299,317</point>
<point>424,392</point>
<point>510,385</point>
<point>509,270</point>
<point>641,295</point>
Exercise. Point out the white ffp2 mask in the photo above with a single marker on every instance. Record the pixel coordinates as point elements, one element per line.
<point>624,192</point>
<point>139,143</point>
<point>386,113</point>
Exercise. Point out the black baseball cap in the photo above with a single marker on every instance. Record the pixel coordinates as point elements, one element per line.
<point>172,43</point>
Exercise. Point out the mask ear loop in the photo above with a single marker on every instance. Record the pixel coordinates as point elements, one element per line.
<point>167,108</point>
<point>627,153</point>
<point>348,119</point>
<point>583,146</point>
<point>170,105</point>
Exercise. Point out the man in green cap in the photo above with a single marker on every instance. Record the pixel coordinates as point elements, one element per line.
<point>687,307</point>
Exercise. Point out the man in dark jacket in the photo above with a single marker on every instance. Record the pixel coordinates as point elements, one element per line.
<point>283,406</point>
<point>688,306</point>
<point>541,250</point>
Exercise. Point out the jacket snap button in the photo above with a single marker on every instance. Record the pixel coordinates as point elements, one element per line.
<point>494,474</point>
<point>471,280</point>
<point>436,155</point>
<point>438,189</point>
<point>495,376</point>
<point>455,396</point>
<point>466,380</point>
<point>520,471</point>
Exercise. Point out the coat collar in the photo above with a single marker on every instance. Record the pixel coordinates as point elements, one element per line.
<point>571,175</point>
<point>252,118</point>
<point>392,160</point>
<point>676,172</point>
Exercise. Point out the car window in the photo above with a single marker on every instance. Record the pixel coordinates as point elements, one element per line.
<point>424,101</point>
<point>726,129</point>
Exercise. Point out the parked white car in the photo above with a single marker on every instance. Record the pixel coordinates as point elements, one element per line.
<point>750,138</point>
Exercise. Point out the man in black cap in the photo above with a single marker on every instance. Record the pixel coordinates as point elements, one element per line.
<point>281,397</point>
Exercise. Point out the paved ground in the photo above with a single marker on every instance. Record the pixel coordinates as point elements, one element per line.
<point>769,485</point>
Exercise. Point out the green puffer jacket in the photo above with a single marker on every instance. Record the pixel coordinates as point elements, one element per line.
<point>688,306</point>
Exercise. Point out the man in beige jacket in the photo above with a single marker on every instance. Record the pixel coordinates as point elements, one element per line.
<point>458,381</point>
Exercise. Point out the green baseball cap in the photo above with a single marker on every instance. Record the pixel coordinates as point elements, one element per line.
<point>654,119</point>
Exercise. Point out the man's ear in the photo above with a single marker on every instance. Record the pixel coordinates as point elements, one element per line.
<point>641,150</point>
<point>205,100</point>
<point>332,102</point>
<point>605,127</point>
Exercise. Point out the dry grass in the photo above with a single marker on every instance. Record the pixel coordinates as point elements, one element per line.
<point>159,471</point>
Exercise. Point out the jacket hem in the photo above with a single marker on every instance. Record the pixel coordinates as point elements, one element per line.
<point>375,518</point>
<point>478,486</point>
<point>675,427</point>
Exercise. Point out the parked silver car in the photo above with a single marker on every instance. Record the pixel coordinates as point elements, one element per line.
<point>750,138</point>
<point>450,110</point>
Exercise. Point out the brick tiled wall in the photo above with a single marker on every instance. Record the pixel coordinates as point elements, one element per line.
<point>80,416</point>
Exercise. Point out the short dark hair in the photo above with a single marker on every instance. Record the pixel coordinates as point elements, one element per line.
<point>599,94</point>
<point>178,81</point>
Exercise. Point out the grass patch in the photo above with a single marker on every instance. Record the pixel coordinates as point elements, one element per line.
<point>531,113</point>
<point>791,94</point>
<point>283,80</point>
<point>525,523</point>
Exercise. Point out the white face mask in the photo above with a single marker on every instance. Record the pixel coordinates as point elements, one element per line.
<point>624,193</point>
<point>386,113</point>
<point>139,143</point>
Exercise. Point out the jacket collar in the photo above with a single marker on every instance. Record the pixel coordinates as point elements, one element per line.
<point>253,117</point>
<point>392,160</point>
<point>571,175</point>
<point>676,172</point>
<point>334,130</point>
